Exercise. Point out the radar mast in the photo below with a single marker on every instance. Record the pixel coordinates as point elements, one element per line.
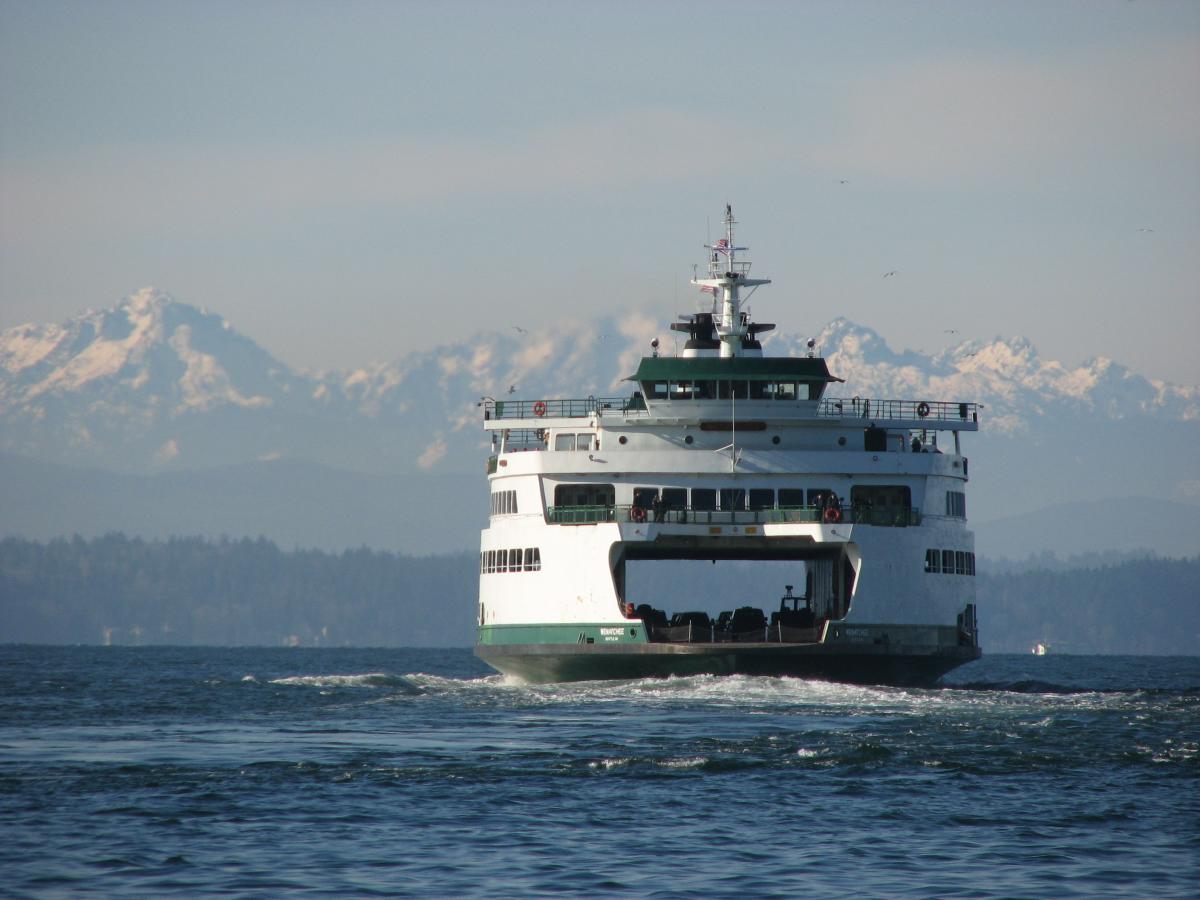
<point>726,277</point>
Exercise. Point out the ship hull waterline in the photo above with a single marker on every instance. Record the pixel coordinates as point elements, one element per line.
<point>869,664</point>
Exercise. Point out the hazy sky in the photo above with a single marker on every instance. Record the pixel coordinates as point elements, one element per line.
<point>347,181</point>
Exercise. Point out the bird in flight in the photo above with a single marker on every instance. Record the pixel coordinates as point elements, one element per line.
<point>950,331</point>
<point>520,330</point>
<point>843,181</point>
<point>512,388</point>
<point>1145,229</point>
<point>889,274</point>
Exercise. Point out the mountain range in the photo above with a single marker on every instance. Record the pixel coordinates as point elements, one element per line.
<point>157,417</point>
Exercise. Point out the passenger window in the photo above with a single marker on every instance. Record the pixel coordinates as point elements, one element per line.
<point>733,498</point>
<point>584,495</point>
<point>960,562</point>
<point>762,498</point>
<point>644,497</point>
<point>704,499</point>
<point>787,391</point>
<point>674,498</point>
<point>948,561</point>
<point>791,497</point>
<point>931,560</point>
<point>564,442</point>
<point>820,497</point>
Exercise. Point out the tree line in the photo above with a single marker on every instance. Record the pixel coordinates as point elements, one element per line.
<point>122,590</point>
<point>195,591</point>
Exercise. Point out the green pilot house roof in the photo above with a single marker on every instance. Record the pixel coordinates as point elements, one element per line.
<point>735,368</point>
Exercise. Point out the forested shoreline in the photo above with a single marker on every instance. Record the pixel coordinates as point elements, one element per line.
<point>193,591</point>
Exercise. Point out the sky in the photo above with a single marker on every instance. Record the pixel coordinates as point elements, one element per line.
<point>348,182</point>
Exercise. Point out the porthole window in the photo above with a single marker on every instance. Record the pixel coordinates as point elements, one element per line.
<point>842,441</point>
<point>623,440</point>
<point>775,439</point>
<point>688,439</point>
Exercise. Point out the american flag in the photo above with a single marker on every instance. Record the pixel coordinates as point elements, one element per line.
<point>722,246</point>
<point>708,289</point>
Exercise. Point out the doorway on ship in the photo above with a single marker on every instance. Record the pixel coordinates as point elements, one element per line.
<point>732,587</point>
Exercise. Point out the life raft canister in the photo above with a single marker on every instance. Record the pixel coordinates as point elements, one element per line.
<point>833,515</point>
<point>922,409</point>
<point>539,408</point>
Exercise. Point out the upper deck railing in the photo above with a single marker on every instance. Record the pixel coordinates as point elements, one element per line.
<point>560,409</point>
<point>897,517</point>
<point>908,410</point>
<point>875,409</point>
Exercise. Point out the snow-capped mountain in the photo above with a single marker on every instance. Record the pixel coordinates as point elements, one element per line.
<point>1008,376</point>
<point>153,384</point>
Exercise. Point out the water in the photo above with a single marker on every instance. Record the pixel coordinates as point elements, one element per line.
<point>405,772</point>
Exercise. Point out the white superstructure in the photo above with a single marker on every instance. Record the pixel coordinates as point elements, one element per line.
<point>721,452</point>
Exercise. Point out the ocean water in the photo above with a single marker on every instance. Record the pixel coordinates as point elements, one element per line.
<point>260,772</point>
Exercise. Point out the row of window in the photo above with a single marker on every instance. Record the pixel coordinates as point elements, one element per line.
<point>872,496</point>
<point>956,504</point>
<point>950,562</point>
<point>738,390</point>
<point>517,559</point>
<point>504,503</point>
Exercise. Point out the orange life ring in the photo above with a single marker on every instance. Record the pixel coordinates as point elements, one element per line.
<point>637,514</point>
<point>833,515</point>
<point>922,409</point>
<point>539,408</point>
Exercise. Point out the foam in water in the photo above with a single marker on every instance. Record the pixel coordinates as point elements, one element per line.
<point>368,680</point>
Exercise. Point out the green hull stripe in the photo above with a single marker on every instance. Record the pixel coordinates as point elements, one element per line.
<point>576,633</point>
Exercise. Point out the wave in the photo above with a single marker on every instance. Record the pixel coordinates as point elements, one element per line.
<point>1036,686</point>
<point>368,680</point>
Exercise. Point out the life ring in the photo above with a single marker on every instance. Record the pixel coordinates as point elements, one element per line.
<point>637,514</point>
<point>922,409</point>
<point>539,408</point>
<point>833,515</point>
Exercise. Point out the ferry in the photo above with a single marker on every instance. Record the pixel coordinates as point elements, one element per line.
<point>719,452</point>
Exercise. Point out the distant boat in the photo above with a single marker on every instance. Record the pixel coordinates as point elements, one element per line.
<point>724,453</point>
<point>1040,649</point>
